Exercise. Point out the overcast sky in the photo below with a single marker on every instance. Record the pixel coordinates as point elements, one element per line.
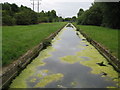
<point>64,8</point>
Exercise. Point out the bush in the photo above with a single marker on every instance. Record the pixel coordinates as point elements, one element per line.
<point>43,19</point>
<point>26,17</point>
<point>8,20</point>
<point>22,18</point>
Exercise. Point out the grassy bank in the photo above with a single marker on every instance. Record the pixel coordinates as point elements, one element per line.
<point>17,40</point>
<point>105,36</point>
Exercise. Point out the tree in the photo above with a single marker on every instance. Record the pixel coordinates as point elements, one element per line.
<point>6,6</point>
<point>49,16</point>
<point>12,14</point>
<point>101,13</point>
<point>81,11</point>
<point>14,8</point>
<point>68,19</point>
<point>74,18</point>
<point>111,12</point>
<point>93,16</point>
<point>26,17</point>
<point>60,19</point>
<point>8,20</point>
<point>53,14</point>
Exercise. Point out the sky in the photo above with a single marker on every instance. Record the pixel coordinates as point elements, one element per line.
<point>64,8</point>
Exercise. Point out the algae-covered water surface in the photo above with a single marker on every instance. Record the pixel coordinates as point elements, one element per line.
<point>71,62</point>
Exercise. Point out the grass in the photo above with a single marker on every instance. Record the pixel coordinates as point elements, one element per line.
<point>16,40</point>
<point>105,36</point>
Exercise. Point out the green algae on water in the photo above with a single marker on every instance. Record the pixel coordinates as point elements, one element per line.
<point>21,80</point>
<point>71,59</point>
<point>96,57</point>
<point>48,79</point>
<point>33,80</point>
<point>42,73</point>
<point>111,87</point>
<point>74,83</point>
<point>61,86</point>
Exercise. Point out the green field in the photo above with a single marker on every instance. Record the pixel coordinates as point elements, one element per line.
<point>105,36</point>
<point>16,40</point>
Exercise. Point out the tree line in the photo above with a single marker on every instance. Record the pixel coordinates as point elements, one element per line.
<point>105,14</point>
<point>14,15</point>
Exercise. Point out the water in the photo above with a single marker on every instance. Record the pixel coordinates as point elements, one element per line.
<point>68,63</point>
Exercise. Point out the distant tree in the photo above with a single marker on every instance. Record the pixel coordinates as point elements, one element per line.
<point>12,14</point>
<point>81,11</point>
<point>6,6</point>
<point>34,17</point>
<point>14,7</point>
<point>53,14</point>
<point>26,17</point>
<point>8,20</point>
<point>60,19</point>
<point>43,19</point>
<point>23,18</point>
<point>68,19</point>
<point>111,12</point>
<point>74,18</point>
<point>93,16</point>
<point>22,8</point>
<point>101,13</point>
<point>49,16</point>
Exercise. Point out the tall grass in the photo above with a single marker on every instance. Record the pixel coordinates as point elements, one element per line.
<point>105,36</point>
<point>17,40</point>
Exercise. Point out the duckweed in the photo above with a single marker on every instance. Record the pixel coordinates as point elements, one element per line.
<point>96,57</point>
<point>60,86</point>
<point>39,75</point>
<point>21,80</point>
<point>111,87</point>
<point>45,71</point>
<point>71,59</point>
<point>48,79</point>
<point>74,83</point>
<point>33,80</point>
<point>42,73</point>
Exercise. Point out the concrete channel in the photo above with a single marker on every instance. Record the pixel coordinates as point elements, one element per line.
<point>70,62</point>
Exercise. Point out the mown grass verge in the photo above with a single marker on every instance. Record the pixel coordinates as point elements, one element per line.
<point>16,40</point>
<point>107,37</point>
